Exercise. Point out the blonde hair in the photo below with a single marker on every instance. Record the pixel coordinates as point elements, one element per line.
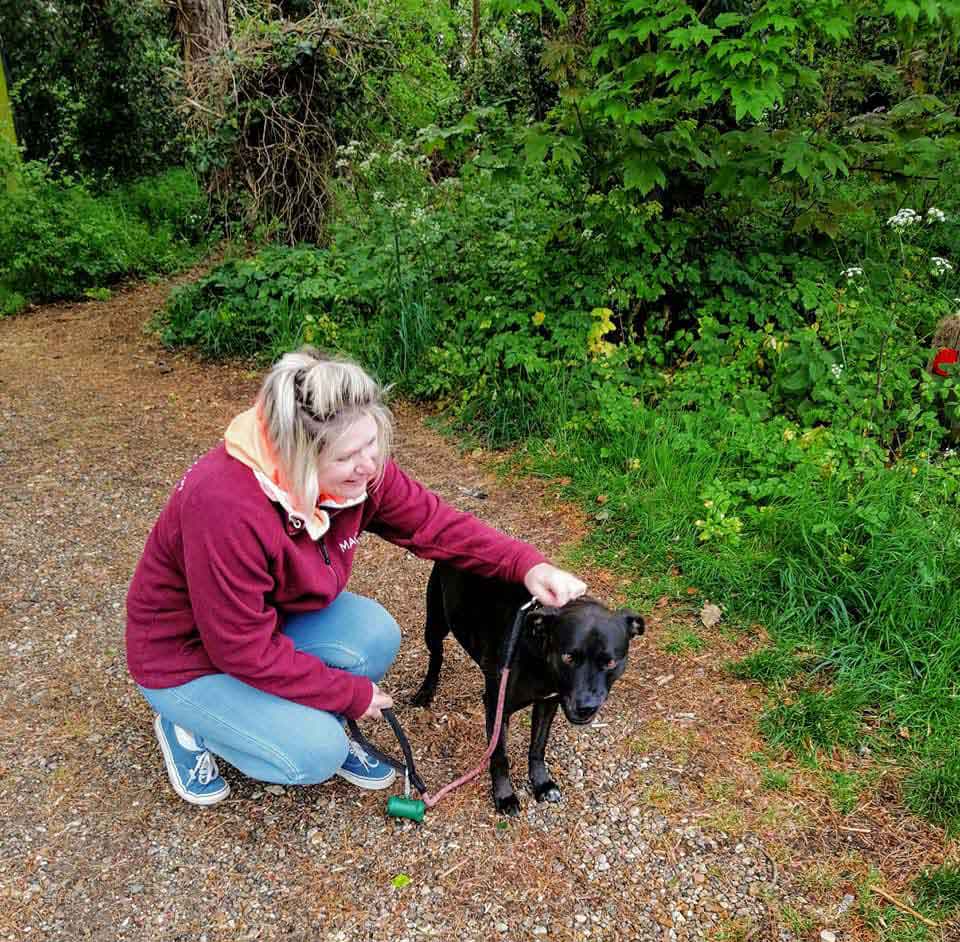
<point>307,401</point>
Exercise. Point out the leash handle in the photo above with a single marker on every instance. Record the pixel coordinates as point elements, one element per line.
<point>405,768</point>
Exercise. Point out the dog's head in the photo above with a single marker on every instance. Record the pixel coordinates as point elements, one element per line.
<point>585,645</point>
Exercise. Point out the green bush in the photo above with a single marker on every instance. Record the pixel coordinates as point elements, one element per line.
<point>58,238</point>
<point>172,200</point>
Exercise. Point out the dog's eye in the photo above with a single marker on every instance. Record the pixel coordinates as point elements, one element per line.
<point>611,664</point>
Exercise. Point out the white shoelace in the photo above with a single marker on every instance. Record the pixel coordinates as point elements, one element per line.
<point>204,770</point>
<point>364,758</point>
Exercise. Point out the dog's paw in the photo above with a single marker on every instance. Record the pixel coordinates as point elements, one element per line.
<point>508,805</point>
<point>547,791</point>
<point>422,698</point>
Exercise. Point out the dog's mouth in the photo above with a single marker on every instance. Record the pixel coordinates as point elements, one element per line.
<point>578,717</point>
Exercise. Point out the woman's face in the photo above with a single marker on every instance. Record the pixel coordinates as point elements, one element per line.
<point>350,462</point>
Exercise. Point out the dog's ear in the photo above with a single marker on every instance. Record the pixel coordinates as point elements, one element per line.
<point>538,621</point>
<point>635,624</point>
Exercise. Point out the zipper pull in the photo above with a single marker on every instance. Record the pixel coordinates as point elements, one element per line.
<point>323,550</point>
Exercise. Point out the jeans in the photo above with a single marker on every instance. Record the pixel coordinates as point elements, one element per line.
<point>272,739</point>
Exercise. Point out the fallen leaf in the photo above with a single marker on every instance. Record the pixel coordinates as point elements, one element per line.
<point>663,600</point>
<point>710,615</point>
<point>602,498</point>
<point>903,732</point>
<point>692,590</point>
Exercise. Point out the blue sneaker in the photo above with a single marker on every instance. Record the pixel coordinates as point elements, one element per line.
<point>364,770</point>
<point>192,769</point>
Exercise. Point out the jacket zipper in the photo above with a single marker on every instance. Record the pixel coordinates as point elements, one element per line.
<point>323,550</point>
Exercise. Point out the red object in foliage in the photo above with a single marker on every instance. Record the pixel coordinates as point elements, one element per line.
<point>946,355</point>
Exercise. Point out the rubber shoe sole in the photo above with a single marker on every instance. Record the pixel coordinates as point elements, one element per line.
<point>373,784</point>
<point>212,798</point>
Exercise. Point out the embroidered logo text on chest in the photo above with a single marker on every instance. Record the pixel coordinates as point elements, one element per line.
<point>349,544</point>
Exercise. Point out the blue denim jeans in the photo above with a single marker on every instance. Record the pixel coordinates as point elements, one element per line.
<point>275,740</point>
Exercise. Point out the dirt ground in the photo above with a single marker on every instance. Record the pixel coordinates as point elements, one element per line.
<point>666,830</point>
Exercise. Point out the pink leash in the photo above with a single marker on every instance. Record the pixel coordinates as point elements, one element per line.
<point>431,800</point>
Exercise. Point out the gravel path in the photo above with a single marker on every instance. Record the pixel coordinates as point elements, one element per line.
<point>664,832</point>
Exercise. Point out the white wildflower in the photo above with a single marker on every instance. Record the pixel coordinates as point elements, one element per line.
<point>936,215</point>
<point>904,218</point>
<point>377,196</point>
<point>854,272</point>
<point>587,235</point>
<point>837,370</point>
<point>940,265</point>
<point>342,164</point>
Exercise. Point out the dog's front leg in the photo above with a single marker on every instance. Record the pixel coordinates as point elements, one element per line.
<point>543,786</point>
<point>504,799</point>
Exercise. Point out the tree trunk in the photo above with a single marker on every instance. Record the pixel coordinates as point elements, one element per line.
<point>7,129</point>
<point>204,29</point>
<point>475,29</point>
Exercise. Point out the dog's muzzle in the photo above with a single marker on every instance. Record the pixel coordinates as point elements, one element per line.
<point>579,715</point>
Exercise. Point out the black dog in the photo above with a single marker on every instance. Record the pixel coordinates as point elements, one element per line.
<point>567,656</point>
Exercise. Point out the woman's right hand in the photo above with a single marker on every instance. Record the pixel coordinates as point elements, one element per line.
<point>380,701</point>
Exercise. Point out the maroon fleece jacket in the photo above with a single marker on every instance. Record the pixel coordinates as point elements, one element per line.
<point>223,565</point>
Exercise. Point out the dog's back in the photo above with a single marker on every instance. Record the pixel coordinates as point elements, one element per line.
<point>478,610</point>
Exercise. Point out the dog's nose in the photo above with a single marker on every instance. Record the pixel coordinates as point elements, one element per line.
<point>584,713</point>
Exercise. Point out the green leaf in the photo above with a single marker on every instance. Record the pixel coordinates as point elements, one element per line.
<point>796,158</point>
<point>400,881</point>
<point>902,10</point>
<point>535,146</point>
<point>643,174</point>
<point>728,19</point>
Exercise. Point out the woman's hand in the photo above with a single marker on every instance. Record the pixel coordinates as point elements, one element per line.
<point>379,702</point>
<point>552,586</point>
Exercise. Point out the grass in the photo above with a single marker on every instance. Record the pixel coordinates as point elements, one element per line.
<point>844,789</point>
<point>939,889</point>
<point>814,720</point>
<point>771,665</point>
<point>773,780</point>
<point>799,923</point>
<point>683,641</point>
<point>933,791</point>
